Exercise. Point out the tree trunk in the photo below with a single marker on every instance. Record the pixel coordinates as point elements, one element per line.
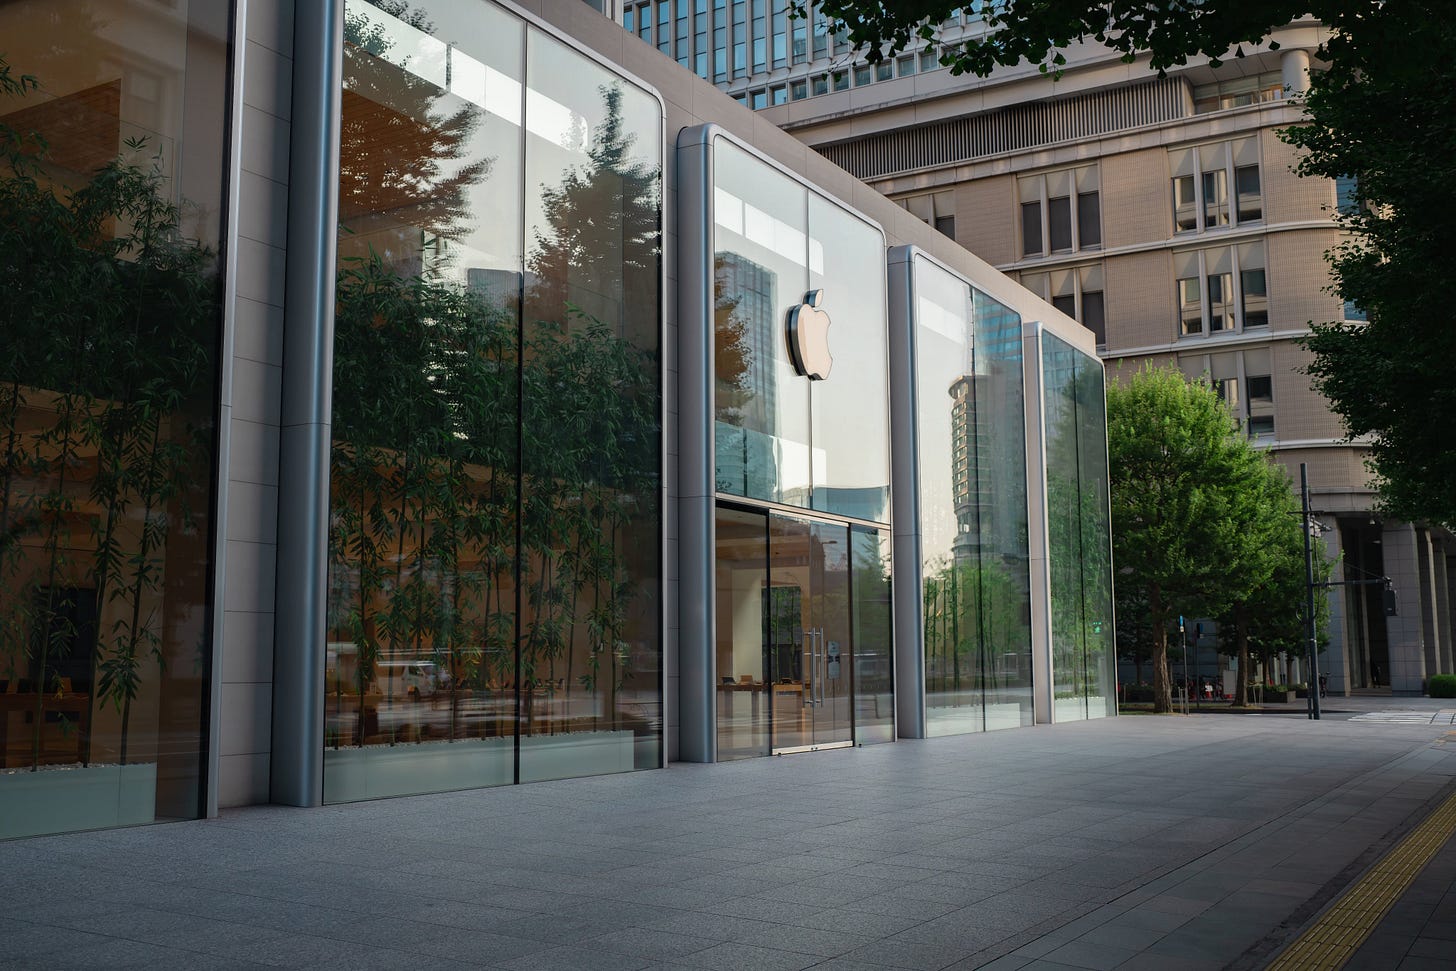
<point>1162,684</point>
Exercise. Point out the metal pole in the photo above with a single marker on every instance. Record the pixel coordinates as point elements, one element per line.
<point>1183,642</point>
<point>1312,689</point>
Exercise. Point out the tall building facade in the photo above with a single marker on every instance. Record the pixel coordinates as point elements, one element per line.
<point>400,397</point>
<point>1162,213</point>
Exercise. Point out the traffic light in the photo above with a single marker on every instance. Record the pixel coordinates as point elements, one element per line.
<point>1388,596</point>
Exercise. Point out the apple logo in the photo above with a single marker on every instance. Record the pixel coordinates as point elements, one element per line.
<point>809,337</point>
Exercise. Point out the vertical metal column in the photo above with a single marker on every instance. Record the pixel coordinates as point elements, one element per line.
<point>697,695</point>
<point>1312,690</point>
<point>909,605</point>
<point>303,465</point>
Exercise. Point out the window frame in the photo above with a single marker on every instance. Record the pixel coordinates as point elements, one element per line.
<point>1076,200</point>
<point>1222,214</point>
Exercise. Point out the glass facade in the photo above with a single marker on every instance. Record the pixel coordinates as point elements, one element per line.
<point>112,188</point>
<point>824,444</point>
<point>975,591</point>
<point>1079,526</point>
<point>802,629</point>
<point>495,534</point>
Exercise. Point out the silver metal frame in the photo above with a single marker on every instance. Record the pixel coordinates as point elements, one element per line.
<point>1043,690</point>
<point>907,602</point>
<point>301,605</point>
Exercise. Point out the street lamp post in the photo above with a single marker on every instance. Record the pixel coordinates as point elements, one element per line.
<point>1312,682</point>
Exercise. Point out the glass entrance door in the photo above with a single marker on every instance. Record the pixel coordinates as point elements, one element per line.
<point>803,629</point>
<point>806,609</point>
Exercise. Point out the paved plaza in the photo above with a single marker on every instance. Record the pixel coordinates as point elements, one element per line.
<point>1195,842</point>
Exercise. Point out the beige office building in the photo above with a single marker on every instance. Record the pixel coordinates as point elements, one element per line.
<point>1163,213</point>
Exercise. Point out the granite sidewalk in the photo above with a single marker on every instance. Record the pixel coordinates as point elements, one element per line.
<point>1189,843</point>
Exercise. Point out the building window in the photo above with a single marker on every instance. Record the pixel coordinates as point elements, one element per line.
<point>884,71</point>
<point>906,65</point>
<point>1243,380</point>
<point>1355,312</point>
<point>841,80</point>
<point>1219,290</point>
<point>929,60</point>
<point>758,99</point>
<point>819,85</point>
<point>1062,210</point>
<point>1238,92</point>
<point>936,209</point>
<point>799,90</point>
<point>861,74</point>
<point>1202,178</point>
<point>778,95</point>
<point>1076,292</point>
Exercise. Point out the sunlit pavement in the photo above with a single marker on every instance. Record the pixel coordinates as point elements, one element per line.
<point>1139,842</point>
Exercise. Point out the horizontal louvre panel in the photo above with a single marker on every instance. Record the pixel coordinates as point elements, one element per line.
<point>1011,129</point>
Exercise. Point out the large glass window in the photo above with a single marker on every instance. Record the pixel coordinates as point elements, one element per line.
<point>112,189</point>
<point>818,444</point>
<point>1075,409</point>
<point>975,575</point>
<point>495,534</point>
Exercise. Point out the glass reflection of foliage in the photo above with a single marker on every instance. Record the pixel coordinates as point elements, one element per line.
<point>974,623</point>
<point>399,152</point>
<point>608,207</point>
<point>1078,524</point>
<point>106,358</point>
<point>480,465</point>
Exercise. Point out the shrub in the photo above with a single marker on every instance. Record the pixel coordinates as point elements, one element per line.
<point>1441,686</point>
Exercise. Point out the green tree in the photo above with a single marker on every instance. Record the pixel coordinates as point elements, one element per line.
<point>1191,511</point>
<point>1268,617</point>
<point>1379,114</point>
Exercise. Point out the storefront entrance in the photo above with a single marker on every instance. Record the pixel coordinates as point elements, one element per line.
<point>788,649</point>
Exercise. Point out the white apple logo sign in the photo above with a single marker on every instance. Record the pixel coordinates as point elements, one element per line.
<point>809,337</point>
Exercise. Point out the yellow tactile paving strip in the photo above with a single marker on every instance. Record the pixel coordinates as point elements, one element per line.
<point>1343,928</point>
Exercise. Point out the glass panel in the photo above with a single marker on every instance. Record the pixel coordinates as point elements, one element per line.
<point>1220,301</point>
<point>1077,513</point>
<point>761,405</point>
<point>1066,303</point>
<point>975,588</point>
<point>1059,219</point>
<point>807,611</point>
<point>1094,315</point>
<point>1190,306</point>
<point>1185,212</point>
<point>1246,179</point>
<point>1215,199</point>
<point>590,648</point>
<point>429,668</point>
<point>873,623</point>
<point>1256,298</point>
<point>422,553</point>
<point>850,409</point>
<point>1031,229</point>
<point>745,634</point>
<point>112,170</point>
<point>1089,219</point>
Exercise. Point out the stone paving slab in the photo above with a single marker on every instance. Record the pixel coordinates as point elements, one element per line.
<point>1137,842</point>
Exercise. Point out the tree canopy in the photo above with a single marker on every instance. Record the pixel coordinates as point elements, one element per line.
<point>1380,112</point>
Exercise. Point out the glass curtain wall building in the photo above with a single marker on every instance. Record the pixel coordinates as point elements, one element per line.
<point>494,515</point>
<point>1084,661</point>
<point>112,187</point>
<point>965,407</point>
<point>350,449</point>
